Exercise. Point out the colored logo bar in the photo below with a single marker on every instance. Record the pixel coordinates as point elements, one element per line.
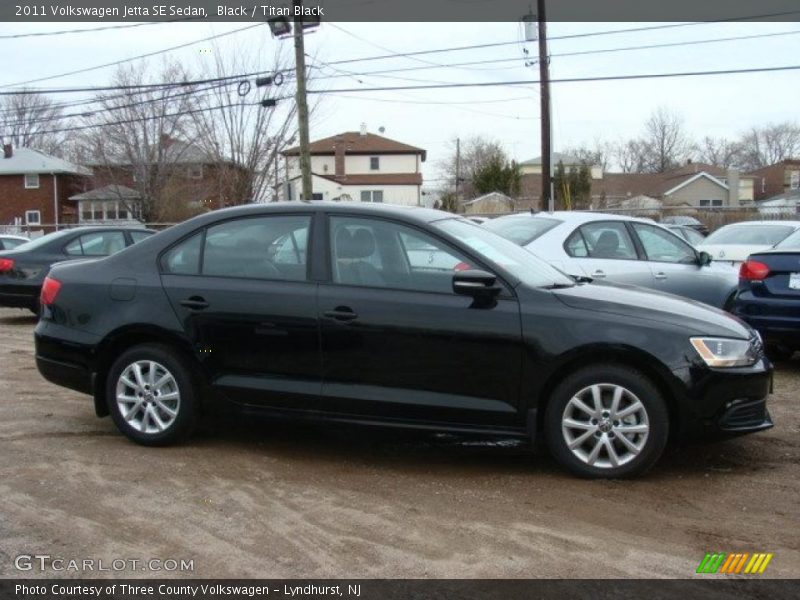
<point>737,563</point>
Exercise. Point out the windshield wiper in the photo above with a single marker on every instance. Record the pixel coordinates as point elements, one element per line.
<point>558,286</point>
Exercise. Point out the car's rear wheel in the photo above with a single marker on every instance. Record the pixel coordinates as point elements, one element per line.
<point>151,395</point>
<point>606,421</point>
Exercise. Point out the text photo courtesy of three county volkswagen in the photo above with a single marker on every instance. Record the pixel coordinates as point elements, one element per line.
<point>319,297</point>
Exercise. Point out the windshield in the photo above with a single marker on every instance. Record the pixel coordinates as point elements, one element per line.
<point>521,230</point>
<point>528,268</point>
<point>793,241</point>
<point>749,233</point>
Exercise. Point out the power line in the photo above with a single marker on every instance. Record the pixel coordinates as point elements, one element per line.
<point>562,80</point>
<point>92,29</point>
<point>133,58</point>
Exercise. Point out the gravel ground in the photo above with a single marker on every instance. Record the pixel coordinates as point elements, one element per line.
<point>250,498</point>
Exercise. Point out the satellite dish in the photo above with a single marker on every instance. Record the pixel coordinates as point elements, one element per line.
<point>381,129</point>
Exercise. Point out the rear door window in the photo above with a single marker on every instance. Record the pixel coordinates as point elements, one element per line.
<point>603,239</point>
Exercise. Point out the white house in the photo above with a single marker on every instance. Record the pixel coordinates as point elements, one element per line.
<point>358,166</point>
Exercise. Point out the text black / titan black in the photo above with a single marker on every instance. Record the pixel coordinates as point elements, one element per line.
<point>406,317</point>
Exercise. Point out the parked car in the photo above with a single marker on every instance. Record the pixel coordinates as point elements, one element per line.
<point>9,242</point>
<point>734,243</point>
<point>23,269</point>
<point>769,295</point>
<point>621,249</point>
<point>315,311</point>
<point>694,237</point>
<point>686,221</point>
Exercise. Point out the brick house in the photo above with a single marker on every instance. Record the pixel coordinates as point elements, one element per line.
<point>359,166</point>
<point>780,178</point>
<point>35,188</point>
<point>187,178</point>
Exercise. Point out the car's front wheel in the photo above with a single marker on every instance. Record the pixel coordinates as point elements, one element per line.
<point>606,421</point>
<point>151,395</point>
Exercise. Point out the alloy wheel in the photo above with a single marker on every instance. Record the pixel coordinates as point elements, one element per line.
<point>605,425</point>
<point>148,396</point>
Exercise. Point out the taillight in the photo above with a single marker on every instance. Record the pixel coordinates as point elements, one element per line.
<point>50,289</point>
<point>753,270</point>
<point>6,265</point>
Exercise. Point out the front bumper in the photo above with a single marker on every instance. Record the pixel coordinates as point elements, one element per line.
<point>725,402</point>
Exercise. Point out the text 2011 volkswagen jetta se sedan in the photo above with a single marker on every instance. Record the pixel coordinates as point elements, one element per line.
<point>403,317</point>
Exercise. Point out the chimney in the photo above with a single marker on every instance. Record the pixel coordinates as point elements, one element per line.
<point>8,151</point>
<point>338,148</point>
<point>733,187</point>
<point>363,129</point>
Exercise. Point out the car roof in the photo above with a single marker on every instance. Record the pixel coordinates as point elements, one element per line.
<point>792,223</point>
<point>570,216</point>
<point>6,236</point>
<point>418,213</point>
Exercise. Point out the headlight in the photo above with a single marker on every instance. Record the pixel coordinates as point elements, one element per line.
<point>724,352</point>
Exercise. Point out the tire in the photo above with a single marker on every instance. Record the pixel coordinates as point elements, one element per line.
<point>637,439</point>
<point>152,411</point>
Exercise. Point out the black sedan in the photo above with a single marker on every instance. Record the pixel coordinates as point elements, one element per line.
<point>769,296</point>
<point>322,311</point>
<point>23,269</point>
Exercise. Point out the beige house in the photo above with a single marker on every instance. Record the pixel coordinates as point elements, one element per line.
<point>533,166</point>
<point>358,166</point>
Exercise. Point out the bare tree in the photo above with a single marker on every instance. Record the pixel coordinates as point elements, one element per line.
<point>665,144</point>
<point>720,152</point>
<point>631,156</point>
<point>244,138</point>
<point>132,145</point>
<point>27,120</point>
<point>599,153</point>
<point>767,145</point>
<point>475,154</point>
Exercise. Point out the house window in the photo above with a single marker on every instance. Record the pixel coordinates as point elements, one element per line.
<point>33,217</point>
<point>794,180</point>
<point>195,172</point>
<point>374,163</point>
<point>372,196</point>
<point>711,203</point>
<point>32,181</point>
<point>87,212</point>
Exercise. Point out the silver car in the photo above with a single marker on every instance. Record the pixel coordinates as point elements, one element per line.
<point>621,249</point>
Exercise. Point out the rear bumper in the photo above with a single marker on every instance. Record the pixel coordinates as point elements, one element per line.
<point>65,374</point>
<point>65,356</point>
<point>19,299</point>
<point>776,319</point>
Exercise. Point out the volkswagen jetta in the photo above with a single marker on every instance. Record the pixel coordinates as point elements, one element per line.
<point>331,312</point>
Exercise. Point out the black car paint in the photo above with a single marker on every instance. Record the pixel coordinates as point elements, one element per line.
<point>415,359</point>
<point>20,287</point>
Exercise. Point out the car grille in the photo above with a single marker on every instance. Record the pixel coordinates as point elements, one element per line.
<point>744,414</point>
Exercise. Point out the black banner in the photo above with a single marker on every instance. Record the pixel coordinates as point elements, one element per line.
<point>714,588</point>
<point>398,10</point>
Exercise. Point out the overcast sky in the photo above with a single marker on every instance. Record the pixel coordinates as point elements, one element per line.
<point>716,106</point>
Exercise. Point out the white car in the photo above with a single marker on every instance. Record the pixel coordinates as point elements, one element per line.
<point>734,243</point>
<point>621,250</point>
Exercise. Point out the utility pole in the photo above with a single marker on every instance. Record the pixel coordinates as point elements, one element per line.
<point>458,169</point>
<point>544,84</point>
<point>302,105</point>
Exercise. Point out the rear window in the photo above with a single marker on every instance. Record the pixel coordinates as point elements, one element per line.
<point>750,233</point>
<point>521,230</point>
<point>793,241</point>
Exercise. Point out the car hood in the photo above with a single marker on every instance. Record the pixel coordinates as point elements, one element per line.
<point>642,303</point>
<point>732,252</point>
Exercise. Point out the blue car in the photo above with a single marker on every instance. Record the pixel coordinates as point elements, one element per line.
<point>768,297</point>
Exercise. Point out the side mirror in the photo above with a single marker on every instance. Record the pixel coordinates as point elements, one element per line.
<point>475,283</point>
<point>703,259</point>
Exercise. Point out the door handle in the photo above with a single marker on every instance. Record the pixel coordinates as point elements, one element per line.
<point>195,303</point>
<point>599,274</point>
<point>660,275</point>
<point>341,313</point>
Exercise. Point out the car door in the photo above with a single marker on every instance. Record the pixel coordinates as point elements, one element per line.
<point>676,267</point>
<point>604,250</point>
<point>398,343</point>
<point>249,309</point>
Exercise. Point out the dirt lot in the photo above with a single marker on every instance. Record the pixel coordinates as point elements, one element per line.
<point>256,499</point>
